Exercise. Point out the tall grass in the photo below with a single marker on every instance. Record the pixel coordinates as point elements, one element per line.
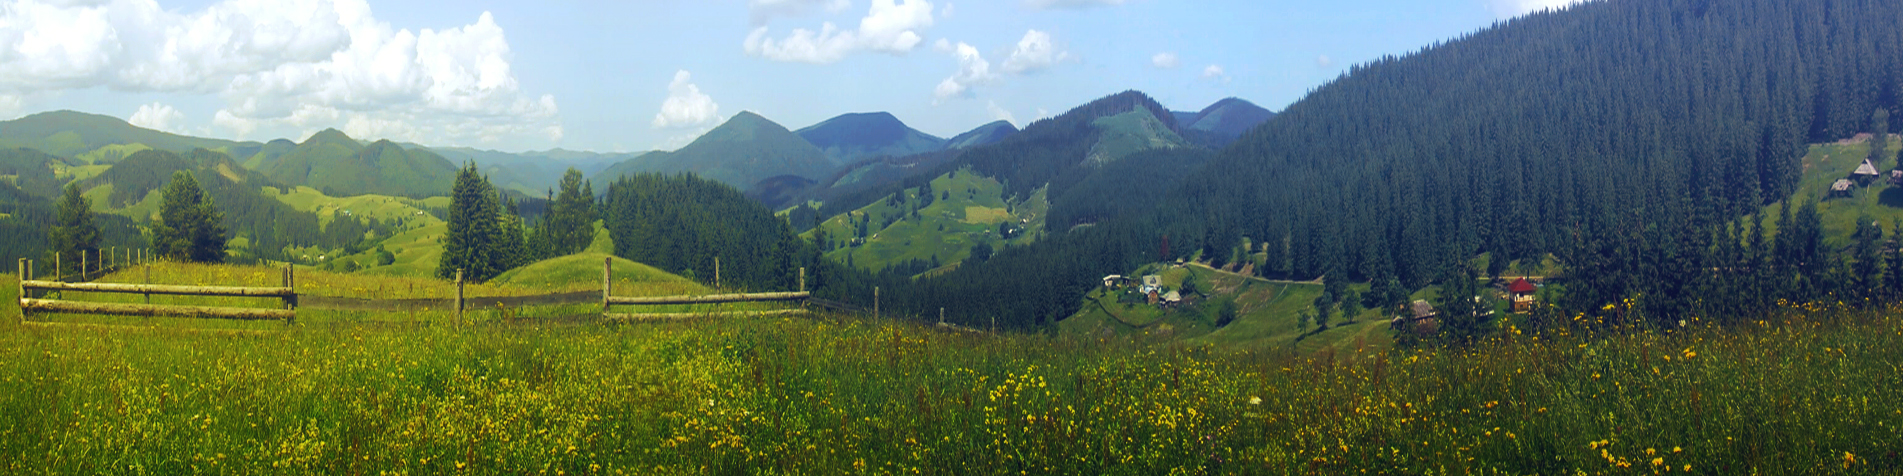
<point>1808,393</point>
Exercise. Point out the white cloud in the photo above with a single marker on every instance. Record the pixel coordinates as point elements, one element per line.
<point>1215,73</point>
<point>947,11</point>
<point>10,106</point>
<point>1165,60</point>
<point>1070,3</point>
<point>686,106</point>
<point>973,70</point>
<point>999,113</point>
<point>158,117</point>
<point>890,26</point>
<point>1324,61</point>
<point>1034,53</point>
<point>1505,9</point>
<point>764,10</point>
<point>281,65</point>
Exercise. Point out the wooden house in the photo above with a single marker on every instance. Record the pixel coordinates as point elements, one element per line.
<point>1113,281</point>
<point>1896,177</point>
<point>1420,315</point>
<point>1521,293</point>
<point>1866,172</point>
<point>1840,188</point>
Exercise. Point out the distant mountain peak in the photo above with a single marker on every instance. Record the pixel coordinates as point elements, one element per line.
<point>853,136</point>
<point>332,136</point>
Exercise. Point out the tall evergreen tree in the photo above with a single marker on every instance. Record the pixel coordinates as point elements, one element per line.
<point>474,240</point>
<point>190,227</point>
<point>569,226</point>
<point>73,232</point>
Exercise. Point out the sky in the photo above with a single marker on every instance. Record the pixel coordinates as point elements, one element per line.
<point>635,75</point>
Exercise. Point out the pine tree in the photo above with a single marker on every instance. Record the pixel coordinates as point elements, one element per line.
<point>474,238</point>
<point>569,225</point>
<point>190,227</point>
<point>74,232</point>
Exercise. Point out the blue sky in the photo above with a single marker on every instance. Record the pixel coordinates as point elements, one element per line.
<point>654,74</point>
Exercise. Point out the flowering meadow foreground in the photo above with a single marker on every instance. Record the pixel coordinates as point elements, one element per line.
<point>1813,392</point>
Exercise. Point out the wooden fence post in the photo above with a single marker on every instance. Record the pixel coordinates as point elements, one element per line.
<point>56,268</point>
<point>941,316</point>
<point>607,281</point>
<point>716,272</point>
<point>148,280</point>
<point>112,256</point>
<point>875,302</point>
<point>22,274</point>
<point>83,265</point>
<point>459,295</point>
<point>802,279</point>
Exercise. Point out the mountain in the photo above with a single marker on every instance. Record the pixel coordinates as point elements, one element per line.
<point>1223,122</point>
<point>983,135</point>
<point>1622,146</point>
<point>740,153</point>
<point>534,172</point>
<point>340,166</point>
<point>851,137</point>
<point>70,133</point>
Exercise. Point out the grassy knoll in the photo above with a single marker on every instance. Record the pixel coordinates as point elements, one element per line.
<point>1805,393</point>
<point>1266,314</point>
<point>966,212</point>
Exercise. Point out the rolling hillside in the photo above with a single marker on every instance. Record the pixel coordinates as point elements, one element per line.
<point>987,134</point>
<point>71,133</point>
<point>1223,122</point>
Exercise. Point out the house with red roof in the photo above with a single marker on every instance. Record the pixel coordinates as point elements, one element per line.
<point>1521,292</point>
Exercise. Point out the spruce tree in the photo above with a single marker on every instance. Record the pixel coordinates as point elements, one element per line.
<point>74,232</point>
<point>569,225</point>
<point>190,227</point>
<point>474,237</point>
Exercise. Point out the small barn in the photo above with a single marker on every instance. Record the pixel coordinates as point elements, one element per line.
<point>1865,173</point>
<point>1521,292</point>
<point>1113,281</point>
<point>1420,315</point>
<point>1896,177</point>
<point>1840,188</point>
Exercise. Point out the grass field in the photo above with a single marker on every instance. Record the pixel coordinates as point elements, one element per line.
<point>1824,164</point>
<point>1804,393</point>
<point>1266,315</point>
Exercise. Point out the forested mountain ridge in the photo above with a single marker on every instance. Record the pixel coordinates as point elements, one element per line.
<point>740,152</point>
<point>69,133</point>
<point>856,136</point>
<point>339,165</point>
<point>1619,136</point>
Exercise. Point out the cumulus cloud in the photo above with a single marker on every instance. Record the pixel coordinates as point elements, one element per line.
<point>999,113</point>
<point>973,70</point>
<point>1034,53</point>
<point>890,26</point>
<point>685,105</point>
<point>765,10</point>
<point>1215,73</point>
<point>1505,9</point>
<point>158,117</point>
<point>1070,3</point>
<point>281,65</point>
<point>1165,60</point>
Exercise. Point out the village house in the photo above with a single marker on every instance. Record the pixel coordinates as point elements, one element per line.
<point>1840,188</point>
<point>1866,172</point>
<point>1420,314</point>
<point>1114,281</point>
<point>1521,293</point>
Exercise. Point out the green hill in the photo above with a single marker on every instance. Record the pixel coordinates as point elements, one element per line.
<point>1128,133</point>
<point>339,166</point>
<point>740,152</point>
<point>987,134</point>
<point>965,210</point>
<point>71,133</point>
<point>853,137</point>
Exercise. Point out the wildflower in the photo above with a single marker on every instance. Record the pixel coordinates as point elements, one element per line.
<point>1658,461</point>
<point>1255,400</point>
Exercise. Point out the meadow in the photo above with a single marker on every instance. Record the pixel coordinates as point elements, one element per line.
<point>1807,392</point>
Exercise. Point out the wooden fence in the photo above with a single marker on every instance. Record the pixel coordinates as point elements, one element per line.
<point>608,299</point>
<point>31,304</point>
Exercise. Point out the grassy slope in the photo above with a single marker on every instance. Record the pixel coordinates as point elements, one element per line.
<point>1266,315</point>
<point>1824,164</point>
<point>970,216</point>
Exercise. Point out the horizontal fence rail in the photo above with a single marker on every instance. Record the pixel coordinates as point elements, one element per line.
<point>152,310</point>
<point>177,290</point>
<point>680,316</point>
<point>711,298</point>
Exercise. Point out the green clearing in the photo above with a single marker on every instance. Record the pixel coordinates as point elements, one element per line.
<point>1824,164</point>
<point>1266,315</point>
<point>110,153</point>
<point>966,212</point>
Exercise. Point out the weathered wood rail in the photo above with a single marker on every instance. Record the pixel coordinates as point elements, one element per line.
<point>608,300</point>
<point>30,305</point>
